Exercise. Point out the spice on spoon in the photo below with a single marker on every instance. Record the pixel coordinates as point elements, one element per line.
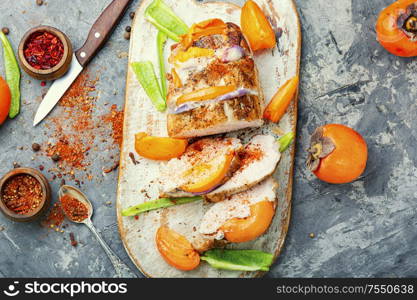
<point>74,209</point>
<point>22,194</point>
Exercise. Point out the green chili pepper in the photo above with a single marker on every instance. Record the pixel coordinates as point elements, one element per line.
<point>161,39</point>
<point>285,141</point>
<point>162,17</point>
<point>238,260</point>
<point>145,73</point>
<point>157,204</point>
<point>12,75</point>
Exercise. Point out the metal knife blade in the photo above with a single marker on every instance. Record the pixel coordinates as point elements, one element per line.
<point>57,90</point>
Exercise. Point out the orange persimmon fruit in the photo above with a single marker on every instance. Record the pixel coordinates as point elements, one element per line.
<point>159,148</point>
<point>5,100</point>
<point>238,230</point>
<point>396,28</point>
<point>281,100</point>
<point>208,93</point>
<point>206,176</point>
<point>256,27</point>
<point>337,154</point>
<point>176,249</point>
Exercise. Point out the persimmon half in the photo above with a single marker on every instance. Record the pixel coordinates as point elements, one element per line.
<point>396,28</point>
<point>337,154</point>
<point>159,148</point>
<point>5,100</point>
<point>256,27</point>
<point>176,249</point>
<point>238,230</point>
<point>206,176</point>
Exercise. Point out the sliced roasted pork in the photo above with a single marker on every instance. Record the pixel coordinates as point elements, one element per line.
<point>205,165</point>
<point>238,206</point>
<point>259,160</point>
<point>213,85</point>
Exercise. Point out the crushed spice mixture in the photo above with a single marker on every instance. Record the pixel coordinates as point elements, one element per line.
<point>77,130</point>
<point>74,209</point>
<point>22,194</point>
<point>55,217</point>
<point>115,118</point>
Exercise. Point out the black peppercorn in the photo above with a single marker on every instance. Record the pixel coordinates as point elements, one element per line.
<point>56,157</point>
<point>128,29</point>
<point>5,30</point>
<point>36,147</point>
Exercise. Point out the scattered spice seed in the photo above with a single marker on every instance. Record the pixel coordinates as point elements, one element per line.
<point>74,243</point>
<point>115,118</point>
<point>16,165</point>
<point>41,167</point>
<point>36,147</point>
<point>5,30</point>
<point>132,14</point>
<point>126,35</point>
<point>62,182</point>
<point>39,2</point>
<point>132,157</point>
<point>112,168</point>
<point>55,157</point>
<point>22,194</point>
<point>55,216</point>
<point>128,29</point>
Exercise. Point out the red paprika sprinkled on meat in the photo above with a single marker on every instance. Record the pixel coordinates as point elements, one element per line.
<point>22,194</point>
<point>74,209</point>
<point>43,50</point>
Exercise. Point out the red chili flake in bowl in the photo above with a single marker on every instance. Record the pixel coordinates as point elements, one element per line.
<point>43,50</point>
<point>74,209</point>
<point>22,194</point>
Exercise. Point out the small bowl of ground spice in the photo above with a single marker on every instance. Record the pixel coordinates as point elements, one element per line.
<point>45,53</point>
<point>25,194</point>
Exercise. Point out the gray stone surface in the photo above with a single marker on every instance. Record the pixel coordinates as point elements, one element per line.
<point>363,229</point>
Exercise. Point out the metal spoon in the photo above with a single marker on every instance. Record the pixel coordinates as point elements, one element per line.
<point>122,270</point>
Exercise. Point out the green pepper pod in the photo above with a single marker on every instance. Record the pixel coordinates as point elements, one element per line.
<point>285,141</point>
<point>157,204</point>
<point>12,75</point>
<point>161,39</point>
<point>238,260</point>
<point>163,18</point>
<point>145,73</point>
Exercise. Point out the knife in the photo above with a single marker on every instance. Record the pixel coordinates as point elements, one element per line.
<point>97,37</point>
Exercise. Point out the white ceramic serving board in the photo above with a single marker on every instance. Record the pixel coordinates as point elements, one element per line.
<point>139,183</point>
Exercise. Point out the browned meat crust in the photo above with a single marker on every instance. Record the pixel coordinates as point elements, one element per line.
<point>206,119</point>
<point>228,115</point>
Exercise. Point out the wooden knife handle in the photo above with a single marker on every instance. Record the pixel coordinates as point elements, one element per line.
<point>101,30</point>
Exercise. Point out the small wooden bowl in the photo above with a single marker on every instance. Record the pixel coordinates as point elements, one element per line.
<point>55,72</point>
<point>46,199</point>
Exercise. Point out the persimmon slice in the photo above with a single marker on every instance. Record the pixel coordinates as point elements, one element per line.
<point>176,249</point>
<point>238,230</point>
<point>281,100</point>
<point>209,93</point>
<point>159,148</point>
<point>206,176</point>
